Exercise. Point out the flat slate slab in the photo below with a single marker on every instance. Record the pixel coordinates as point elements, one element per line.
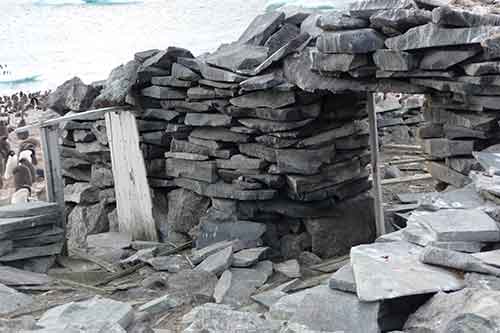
<point>17,223</point>
<point>12,300</point>
<point>350,41</point>
<point>431,35</point>
<point>390,270</point>
<point>343,280</point>
<point>460,225</point>
<point>28,209</point>
<point>11,276</point>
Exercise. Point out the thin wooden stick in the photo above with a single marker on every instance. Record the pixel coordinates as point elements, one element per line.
<point>406,179</point>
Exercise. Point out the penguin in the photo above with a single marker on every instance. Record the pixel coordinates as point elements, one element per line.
<point>22,135</point>
<point>22,177</point>
<point>21,196</point>
<point>26,154</point>
<point>4,152</point>
<point>11,164</point>
<point>25,162</point>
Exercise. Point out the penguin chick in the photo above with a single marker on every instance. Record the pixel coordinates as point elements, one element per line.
<point>22,177</point>
<point>25,162</point>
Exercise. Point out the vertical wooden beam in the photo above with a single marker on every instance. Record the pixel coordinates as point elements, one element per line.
<point>377,186</point>
<point>133,197</point>
<point>53,170</point>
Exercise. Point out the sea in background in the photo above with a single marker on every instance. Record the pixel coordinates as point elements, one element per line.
<point>55,40</point>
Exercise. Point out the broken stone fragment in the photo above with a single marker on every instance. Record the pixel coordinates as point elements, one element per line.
<point>343,280</point>
<point>262,82</point>
<point>165,59</point>
<point>204,119</point>
<point>337,62</point>
<point>457,17</point>
<point>248,257</point>
<point>269,126</point>
<point>237,56</point>
<point>245,231</point>
<point>389,60</point>
<point>441,148</point>
<point>241,162</point>
<point>217,262</point>
<point>284,35</point>
<point>261,28</point>
<point>81,193</point>
<point>172,264</point>
<point>444,59</point>
<point>159,92</point>
<point>367,8</point>
<point>400,19</point>
<point>340,21</point>
<point>289,268</point>
<point>482,68</point>
<point>431,35</point>
<point>391,262</point>
<point>181,72</point>
<point>467,309</point>
<point>12,300</point>
<point>219,134</point>
<point>162,304</point>
<point>170,81</point>
<point>237,285</point>
<point>267,98</point>
<point>199,170</point>
<point>350,41</point>
<point>456,260</point>
<point>445,174</point>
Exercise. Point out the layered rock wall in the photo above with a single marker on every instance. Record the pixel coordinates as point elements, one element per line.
<point>265,139</point>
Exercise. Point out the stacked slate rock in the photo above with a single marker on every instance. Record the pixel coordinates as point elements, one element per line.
<point>399,118</point>
<point>264,157</point>
<point>88,193</point>
<point>446,52</point>
<point>30,235</point>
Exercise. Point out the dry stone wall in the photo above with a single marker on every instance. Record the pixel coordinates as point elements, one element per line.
<point>265,139</point>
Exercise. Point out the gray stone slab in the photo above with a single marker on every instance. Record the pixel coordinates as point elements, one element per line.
<point>204,119</point>
<point>32,252</point>
<point>160,92</point>
<point>219,134</point>
<point>270,297</point>
<point>482,68</point>
<point>441,148</point>
<point>248,257</point>
<point>455,225</point>
<point>292,113</point>
<point>185,147</point>
<point>162,304</point>
<point>482,281</point>
<point>467,310</point>
<point>445,174</point>
<point>198,255</point>
<point>489,257</point>
<point>283,36</point>
<point>343,280</point>
<point>289,268</point>
<point>240,161</point>
<point>365,9</point>
<point>331,310</point>
<point>237,56</point>
<point>268,98</point>
<point>261,28</point>
<point>457,17</point>
<point>340,21</point>
<point>245,231</point>
<point>237,285</point>
<point>337,62</point>
<point>220,318</point>
<point>224,190</point>
<point>183,73</point>
<point>11,276</point>
<point>389,60</point>
<point>200,170</point>
<point>350,41</point>
<point>400,19</point>
<point>218,74</point>
<point>85,313</point>
<point>172,264</point>
<point>28,209</point>
<point>431,35</point>
<point>170,81</point>
<point>262,82</point>
<point>391,270</point>
<point>217,262</point>
<point>269,126</point>
<point>12,300</point>
<point>444,59</point>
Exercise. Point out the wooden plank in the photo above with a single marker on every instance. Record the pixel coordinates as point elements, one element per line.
<point>403,147</point>
<point>52,160</point>
<point>407,179</point>
<point>377,186</point>
<point>80,115</point>
<point>133,198</point>
<point>407,161</point>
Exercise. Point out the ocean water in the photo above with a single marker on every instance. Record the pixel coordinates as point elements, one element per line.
<point>54,42</point>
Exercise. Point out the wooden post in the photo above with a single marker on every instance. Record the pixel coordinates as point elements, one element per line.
<point>377,186</point>
<point>53,170</point>
<point>133,197</point>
